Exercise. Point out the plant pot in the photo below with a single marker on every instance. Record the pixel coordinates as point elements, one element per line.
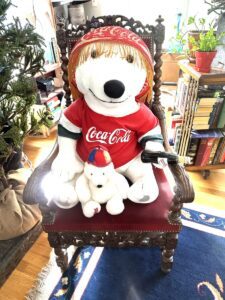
<point>204,60</point>
<point>195,35</point>
<point>14,161</point>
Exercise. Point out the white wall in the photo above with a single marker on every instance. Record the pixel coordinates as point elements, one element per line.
<point>148,10</point>
<point>37,12</point>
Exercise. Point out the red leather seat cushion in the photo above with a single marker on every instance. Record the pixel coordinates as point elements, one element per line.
<point>135,217</point>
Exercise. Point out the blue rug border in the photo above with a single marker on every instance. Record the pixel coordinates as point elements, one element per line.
<point>72,275</point>
<point>203,218</point>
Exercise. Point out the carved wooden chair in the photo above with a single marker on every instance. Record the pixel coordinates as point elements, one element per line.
<point>155,224</point>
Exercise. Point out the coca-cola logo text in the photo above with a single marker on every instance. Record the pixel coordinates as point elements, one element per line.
<point>118,135</point>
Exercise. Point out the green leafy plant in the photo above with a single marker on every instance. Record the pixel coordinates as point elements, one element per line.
<point>208,40</point>
<point>21,57</point>
<point>178,42</point>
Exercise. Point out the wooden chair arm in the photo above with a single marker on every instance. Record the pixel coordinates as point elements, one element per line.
<point>184,192</point>
<point>33,193</point>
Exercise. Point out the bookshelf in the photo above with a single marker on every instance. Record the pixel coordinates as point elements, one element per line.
<point>189,106</point>
<point>53,100</point>
<point>48,69</point>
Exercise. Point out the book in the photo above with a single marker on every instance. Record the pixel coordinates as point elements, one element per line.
<point>215,113</point>
<point>174,123</point>
<point>178,92</point>
<point>223,157</point>
<point>200,120</point>
<point>200,126</point>
<point>181,95</point>
<point>55,50</point>
<point>221,118</point>
<point>207,101</point>
<point>53,102</point>
<point>205,109</point>
<point>219,151</point>
<point>202,114</point>
<point>213,151</point>
<point>212,133</point>
<point>192,149</point>
<point>203,153</point>
<point>178,130</point>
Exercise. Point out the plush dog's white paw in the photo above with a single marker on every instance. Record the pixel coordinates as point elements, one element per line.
<point>66,167</point>
<point>66,196</point>
<point>91,208</point>
<point>140,192</point>
<point>115,207</point>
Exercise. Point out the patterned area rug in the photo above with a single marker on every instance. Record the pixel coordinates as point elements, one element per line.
<point>114,274</point>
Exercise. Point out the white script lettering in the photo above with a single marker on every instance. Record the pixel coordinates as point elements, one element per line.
<point>119,135</point>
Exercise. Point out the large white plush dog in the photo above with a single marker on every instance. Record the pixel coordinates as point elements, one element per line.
<point>100,183</point>
<point>109,67</point>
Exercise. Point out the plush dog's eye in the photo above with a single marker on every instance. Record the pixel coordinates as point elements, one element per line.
<point>103,174</point>
<point>93,53</point>
<point>130,58</point>
<point>91,174</point>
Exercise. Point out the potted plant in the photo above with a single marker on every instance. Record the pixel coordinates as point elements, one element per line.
<point>21,57</point>
<point>205,45</point>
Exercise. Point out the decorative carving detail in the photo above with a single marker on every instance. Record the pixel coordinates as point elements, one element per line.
<point>183,192</point>
<point>159,37</point>
<point>115,20</point>
<point>61,258</point>
<point>168,252</point>
<point>48,214</point>
<point>62,42</point>
<point>109,239</point>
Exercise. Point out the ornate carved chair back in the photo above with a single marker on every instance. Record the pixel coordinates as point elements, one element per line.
<point>153,36</point>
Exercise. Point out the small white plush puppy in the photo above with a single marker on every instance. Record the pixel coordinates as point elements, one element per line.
<point>100,183</point>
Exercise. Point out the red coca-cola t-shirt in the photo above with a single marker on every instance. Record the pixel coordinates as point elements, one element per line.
<point>118,134</point>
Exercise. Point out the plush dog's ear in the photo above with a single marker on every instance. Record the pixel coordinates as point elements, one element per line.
<point>145,94</point>
<point>82,189</point>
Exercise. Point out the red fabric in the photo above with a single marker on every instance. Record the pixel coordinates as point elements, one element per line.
<point>143,93</point>
<point>136,217</point>
<point>121,137</point>
<point>114,34</point>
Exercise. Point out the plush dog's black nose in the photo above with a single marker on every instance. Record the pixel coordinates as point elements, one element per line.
<point>99,186</point>
<point>114,88</point>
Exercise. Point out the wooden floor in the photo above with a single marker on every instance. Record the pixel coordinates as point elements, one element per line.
<point>210,192</point>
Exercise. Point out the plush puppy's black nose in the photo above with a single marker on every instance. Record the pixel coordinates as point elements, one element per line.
<point>114,88</point>
<point>99,186</point>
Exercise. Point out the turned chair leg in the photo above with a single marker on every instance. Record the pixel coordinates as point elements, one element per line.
<point>168,252</point>
<point>61,258</point>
